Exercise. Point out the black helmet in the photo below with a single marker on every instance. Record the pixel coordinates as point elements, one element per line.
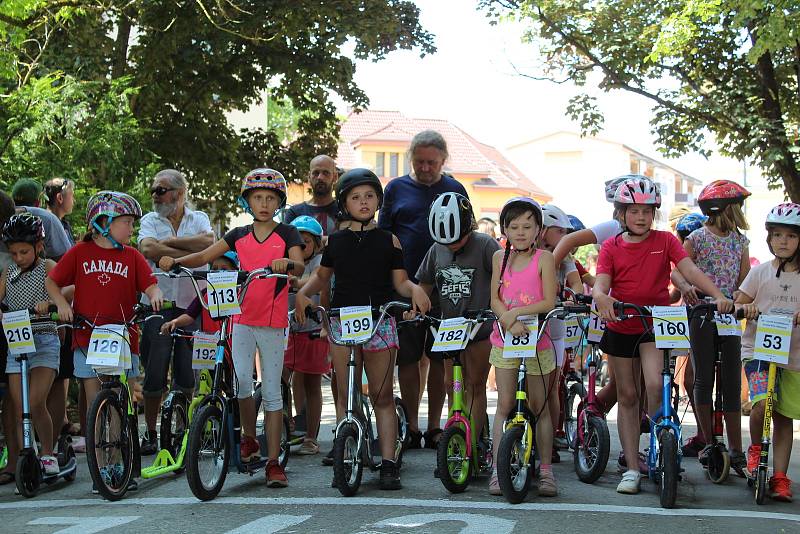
<point>450,218</point>
<point>23,228</point>
<point>353,178</point>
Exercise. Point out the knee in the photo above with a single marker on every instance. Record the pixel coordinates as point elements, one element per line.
<point>627,398</point>
<point>384,401</point>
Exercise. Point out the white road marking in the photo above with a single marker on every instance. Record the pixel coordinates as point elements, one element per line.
<point>441,504</point>
<point>269,524</point>
<point>85,525</point>
<point>476,524</point>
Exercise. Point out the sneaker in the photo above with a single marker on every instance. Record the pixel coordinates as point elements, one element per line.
<point>414,440</point>
<point>753,456</point>
<point>703,455</point>
<point>629,483</point>
<point>328,458</point>
<point>276,476</point>
<point>622,463</point>
<point>739,463</point>
<point>560,442</point>
<point>149,443</point>
<point>133,485</point>
<point>250,449</point>
<point>555,458</point>
<point>780,488</point>
<point>547,484</point>
<point>309,447</point>
<point>693,446</point>
<point>494,485</point>
<point>390,476</point>
<point>50,465</point>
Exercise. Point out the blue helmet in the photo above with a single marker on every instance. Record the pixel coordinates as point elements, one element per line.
<point>232,257</point>
<point>576,223</point>
<point>689,223</point>
<point>305,223</point>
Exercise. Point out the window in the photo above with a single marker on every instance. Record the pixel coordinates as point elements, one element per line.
<point>394,159</point>
<point>379,157</point>
<point>634,165</point>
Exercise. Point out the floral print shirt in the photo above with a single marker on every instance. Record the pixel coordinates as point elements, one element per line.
<point>720,258</point>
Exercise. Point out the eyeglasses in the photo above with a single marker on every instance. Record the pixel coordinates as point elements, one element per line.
<point>56,186</point>
<point>160,190</point>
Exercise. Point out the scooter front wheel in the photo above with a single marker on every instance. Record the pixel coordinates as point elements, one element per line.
<point>28,474</point>
<point>513,472</point>
<point>719,464</point>
<point>347,464</point>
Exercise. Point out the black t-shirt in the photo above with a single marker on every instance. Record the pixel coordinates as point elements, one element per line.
<point>325,215</point>
<point>362,263</point>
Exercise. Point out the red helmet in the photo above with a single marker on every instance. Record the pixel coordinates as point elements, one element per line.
<point>720,193</point>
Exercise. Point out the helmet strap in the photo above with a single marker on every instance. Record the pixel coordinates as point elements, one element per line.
<point>106,232</point>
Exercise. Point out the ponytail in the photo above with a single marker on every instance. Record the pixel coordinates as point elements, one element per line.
<point>504,264</point>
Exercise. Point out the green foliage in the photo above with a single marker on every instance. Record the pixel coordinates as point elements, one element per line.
<point>181,66</point>
<point>729,69</point>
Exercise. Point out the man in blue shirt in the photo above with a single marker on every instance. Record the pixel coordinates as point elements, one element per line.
<point>404,212</point>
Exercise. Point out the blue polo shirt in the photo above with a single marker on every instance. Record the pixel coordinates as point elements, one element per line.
<point>405,214</point>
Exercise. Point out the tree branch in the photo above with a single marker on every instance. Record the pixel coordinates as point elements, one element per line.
<point>36,15</point>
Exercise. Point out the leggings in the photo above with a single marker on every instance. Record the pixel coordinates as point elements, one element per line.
<point>702,333</point>
<point>270,348</point>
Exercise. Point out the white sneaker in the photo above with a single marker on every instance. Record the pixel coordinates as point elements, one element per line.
<point>50,465</point>
<point>79,444</point>
<point>630,482</point>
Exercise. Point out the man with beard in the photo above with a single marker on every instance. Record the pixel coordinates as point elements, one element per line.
<point>171,229</point>
<point>322,177</point>
<point>406,202</point>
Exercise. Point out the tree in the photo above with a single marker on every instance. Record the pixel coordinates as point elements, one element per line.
<point>191,62</point>
<point>728,68</point>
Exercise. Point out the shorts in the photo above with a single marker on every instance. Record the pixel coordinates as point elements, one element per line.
<point>47,351</point>
<point>788,402</point>
<point>757,373</point>
<point>414,341</point>
<point>307,355</point>
<point>543,363</point>
<point>385,337</point>
<point>81,370</point>
<point>65,367</point>
<point>624,345</point>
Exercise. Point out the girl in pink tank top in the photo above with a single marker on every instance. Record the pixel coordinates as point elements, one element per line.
<point>523,283</point>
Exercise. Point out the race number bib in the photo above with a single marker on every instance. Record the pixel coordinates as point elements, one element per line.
<point>523,346</point>
<point>356,323</point>
<point>671,327</point>
<point>596,327</point>
<point>204,350</point>
<point>773,336</point>
<point>109,348</point>
<point>452,334</point>
<point>574,331</point>
<point>18,331</point>
<point>727,325</point>
<point>222,297</point>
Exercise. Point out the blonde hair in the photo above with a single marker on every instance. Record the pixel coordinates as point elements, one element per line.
<point>676,214</point>
<point>730,219</point>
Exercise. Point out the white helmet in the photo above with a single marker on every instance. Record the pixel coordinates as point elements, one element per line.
<point>554,216</point>
<point>787,213</point>
<point>450,218</point>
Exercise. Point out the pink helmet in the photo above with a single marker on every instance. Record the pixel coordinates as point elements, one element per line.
<point>111,204</point>
<point>787,214</point>
<point>638,189</point>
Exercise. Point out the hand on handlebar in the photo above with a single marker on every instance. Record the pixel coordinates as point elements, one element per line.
<point>724,305</point>
<point>605,307</point>
<point>507,319</point>
<point>168,327</point>
<point>166,263</point>
<point>281,265</point>
<point>65,313</point>
<point>419,300</point>
<point>518,329</point>
<point>301,302</point>
<point>750,311</point>
<point>689,295</point>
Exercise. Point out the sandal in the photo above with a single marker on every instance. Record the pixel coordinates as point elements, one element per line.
<point>432,438</point>
<point>6,477</point>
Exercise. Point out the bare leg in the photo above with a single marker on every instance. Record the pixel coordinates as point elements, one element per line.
<point>379,367</point>
<point>435,393</point>
<point>476,369</point>
<point>782,444</point>
<point>313,392</point>
<point>57,405</point>
<point>757,423</point>
<point>410,392</point>
<point>539,405</point>
<point>506,389</point>
<point>627,371</point>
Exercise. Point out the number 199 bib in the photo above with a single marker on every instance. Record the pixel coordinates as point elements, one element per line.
<point>356,323</point>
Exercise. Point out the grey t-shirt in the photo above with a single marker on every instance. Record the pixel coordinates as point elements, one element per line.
<point>309,325</point>
<point>462,280</point>
<point>56,242</point>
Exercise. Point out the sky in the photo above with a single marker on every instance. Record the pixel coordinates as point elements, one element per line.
<point>472,82</point>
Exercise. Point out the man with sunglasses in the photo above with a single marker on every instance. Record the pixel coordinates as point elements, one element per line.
<point>171,229</point>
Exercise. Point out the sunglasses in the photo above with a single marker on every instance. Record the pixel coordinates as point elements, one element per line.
<point>57,186</point>
<point>160,190</point>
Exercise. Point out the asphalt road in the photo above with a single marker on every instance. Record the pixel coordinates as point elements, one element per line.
<point>309,504</point>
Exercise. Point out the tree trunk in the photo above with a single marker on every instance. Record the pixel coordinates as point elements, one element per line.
<point>120,65</point>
